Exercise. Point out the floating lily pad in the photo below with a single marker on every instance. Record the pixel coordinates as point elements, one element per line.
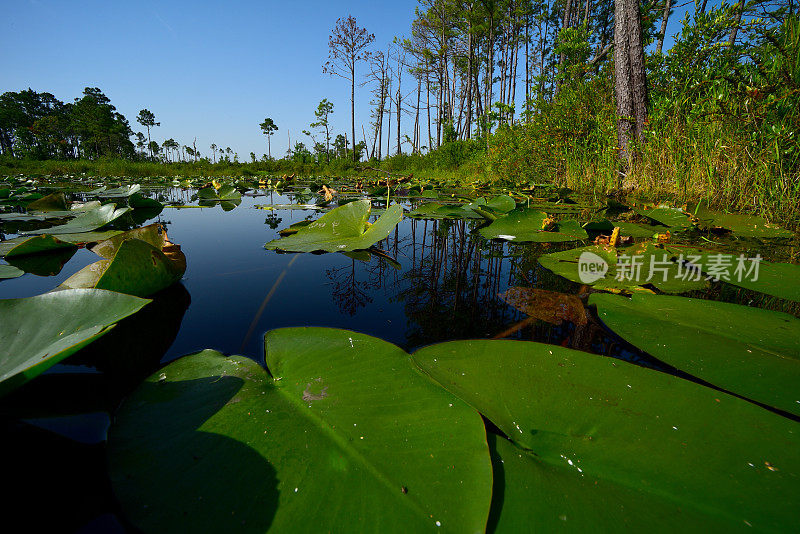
<point>22,217</point>
<point>623,269</point>
<point>631,229</point>
<point>780,280</point>
<point>527,225</point>
<point>273,207</point>
<point>119,192</point>
<point>38,332</point>
<point>675,218</point>
<point>86,221</point>
<point>226,192</point>
<point>341,433</point>
<point>43,264</point>
<point>341,230</point>
<point>23,246</point>
<point>137,201</point>
<point>52,202</point>
<point>553,498</point>
<point>740,224</point>
<point>135,264</point>
<point>437,210</point>
<point>708,459</point>
<point>9,271</point>
<point>749,351</point>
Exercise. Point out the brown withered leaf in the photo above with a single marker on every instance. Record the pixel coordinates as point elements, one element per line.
<point>549,306</point>
<point>328,192</point>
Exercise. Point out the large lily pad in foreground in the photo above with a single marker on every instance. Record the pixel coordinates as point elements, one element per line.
<point>341,230</point>
<point>752,352</point>
<point>610,441</point>
<point>342,433</point>
<point>38,332</point>
<point>559,498</point>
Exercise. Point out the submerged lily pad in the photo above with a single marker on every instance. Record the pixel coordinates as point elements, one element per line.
<point>549,306</point>
<point>342,229</point>
<point>528,225</point>
<point>38,332</point>
<point>591,423</point>
<point>341,433</point>
<point>86,221</point>
<point>749,351</point>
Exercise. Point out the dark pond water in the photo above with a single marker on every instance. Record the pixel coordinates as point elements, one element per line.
<point>447,286</point>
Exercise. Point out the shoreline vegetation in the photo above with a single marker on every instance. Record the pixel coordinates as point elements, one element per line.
<point>722,122</point>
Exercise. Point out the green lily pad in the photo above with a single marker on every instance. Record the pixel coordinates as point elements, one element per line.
<point>494,208</point>
<point>52,202</point>
<point>341,433</point>
<point>526,225</point>
<point>22,217</point>
<point>43,264</point>
<point>38,332</point>
<point>780,280</point>
<point>675,218</point>
<point>630,229</point>
<point>82,238</point>
<point>626,269</point>
<point>9,271</point>
<point>226,192</point>
<point>740,224</point>
<point>137,201</point>
<point>751,352</point>
<point>341,230</point>
<point>437,210</point>
<point>86,222</point>
<point>722,462</point>
<point>23,246</point>
<point>554,498</point>
<point>119,192</point>
<point>135,265</point>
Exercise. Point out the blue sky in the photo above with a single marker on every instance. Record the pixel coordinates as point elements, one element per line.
<point>211,70</point>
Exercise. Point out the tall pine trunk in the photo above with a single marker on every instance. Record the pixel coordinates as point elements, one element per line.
<point>631,79</point>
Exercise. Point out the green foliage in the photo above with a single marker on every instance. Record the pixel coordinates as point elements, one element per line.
<point>561,140</point>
